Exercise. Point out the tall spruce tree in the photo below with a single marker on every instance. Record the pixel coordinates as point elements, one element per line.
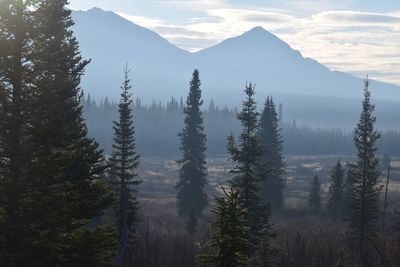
<point>270,135</point>
<point>249,171</point>
<point>363,192</point>
<point>314,198</point>
<point>65,165</point>
<point>15,85</point>
<point>191,199</point>
<point>336,190</point>
<point>386,164</point>
<point>124,164</point>
<point>230,234</point>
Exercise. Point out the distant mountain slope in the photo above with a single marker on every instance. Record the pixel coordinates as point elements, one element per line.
<point>112,42</point>
<point>262,57</point>
<point>161,70</point>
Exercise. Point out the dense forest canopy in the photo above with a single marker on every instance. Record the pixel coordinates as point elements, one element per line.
<point>159,123</point>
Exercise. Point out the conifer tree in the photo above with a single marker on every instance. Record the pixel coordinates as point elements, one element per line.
<point>363,185</point>
<point>265,254</point>
<point>65,165</point>
<point>15,77</point>
<point>314,199</point>
<point>385,165</point>
<point>249,171</point>
<point>340,261</point>
<point>230,233</point>
<point>191,224</point>
<point>270,135</point>
<point>192,173</point>
<point>336,189</point>
<point>124,164</point>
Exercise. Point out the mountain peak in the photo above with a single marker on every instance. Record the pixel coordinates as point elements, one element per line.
<point>258,29</point>
<point>95,10</point>
<point>259,32</point>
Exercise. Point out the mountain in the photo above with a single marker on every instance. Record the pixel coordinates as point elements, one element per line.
<point>111,42</point>
<point>160,69</point>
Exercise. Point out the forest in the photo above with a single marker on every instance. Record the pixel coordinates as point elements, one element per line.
<point>182,184</point>
<point>158,125</point>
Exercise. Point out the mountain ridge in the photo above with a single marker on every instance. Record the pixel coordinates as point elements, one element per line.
<point>161,69</point>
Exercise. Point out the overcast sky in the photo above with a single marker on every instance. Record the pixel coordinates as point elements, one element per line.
<point>356,36</point>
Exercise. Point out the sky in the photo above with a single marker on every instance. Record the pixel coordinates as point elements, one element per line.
<point>356,36</point>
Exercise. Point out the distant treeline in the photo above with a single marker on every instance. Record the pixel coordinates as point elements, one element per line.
<point>158,124</point>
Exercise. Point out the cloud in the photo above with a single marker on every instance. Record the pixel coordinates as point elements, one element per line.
<point>180,31</point>
<point>194,5</point>
<point>266,17</point>
<point>357,17</point>
<point>143,21</point>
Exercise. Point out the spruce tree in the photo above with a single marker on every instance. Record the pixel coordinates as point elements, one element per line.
<point>363,184</point>
<point>249,171</point>
<point>230,233</point>
<point>191,224</point>
<point>192,173</point>
<point>336,190</point>
<point>341,260</point>
<point>270,135</point>
<point>15,85</point>
<point>265,254</point>
<point>124,164</point>
<point>66,191</point>
<point>314,198</point>
<point>386,165</point>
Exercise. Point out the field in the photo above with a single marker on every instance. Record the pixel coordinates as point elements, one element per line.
<point>303,238</point>
<point>160,176</point>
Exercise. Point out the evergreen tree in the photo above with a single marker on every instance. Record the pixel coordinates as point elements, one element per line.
<point>65,166</point>
<point>248,170</point>
<point>386,164</point>
<point>270,135</point>
<point>124,164</point>
<point>15,85</point>
<point>341,260</point>
<point>280,114</point>
<point>336,189</point>
<point>266,254</point>
<point>314,199</point>
<point>192,173</point>
<point>191,224</point>
<point>230,232</point>
<point>364,189</point>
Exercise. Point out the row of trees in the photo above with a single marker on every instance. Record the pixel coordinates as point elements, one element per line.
<point>157,125</point>
<point>51,186</point>
<point>355,197</point>
<point>242,230</point>
<point>242,222</point>
<point>259,131</point>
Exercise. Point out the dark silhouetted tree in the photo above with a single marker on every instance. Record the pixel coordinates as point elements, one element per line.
<point>269,133</point>
<point>336,190</point>
<point>15,85</point>
<point>363,185</point>
<point>314,198</point>
<point>65,165</point>
<point>191,224</point>
<point>192,173</point>
<point>341,260</point>
<point>124,163</point>
<point>386,164</point>
<point>230,233</point>
<point>249,171</point>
